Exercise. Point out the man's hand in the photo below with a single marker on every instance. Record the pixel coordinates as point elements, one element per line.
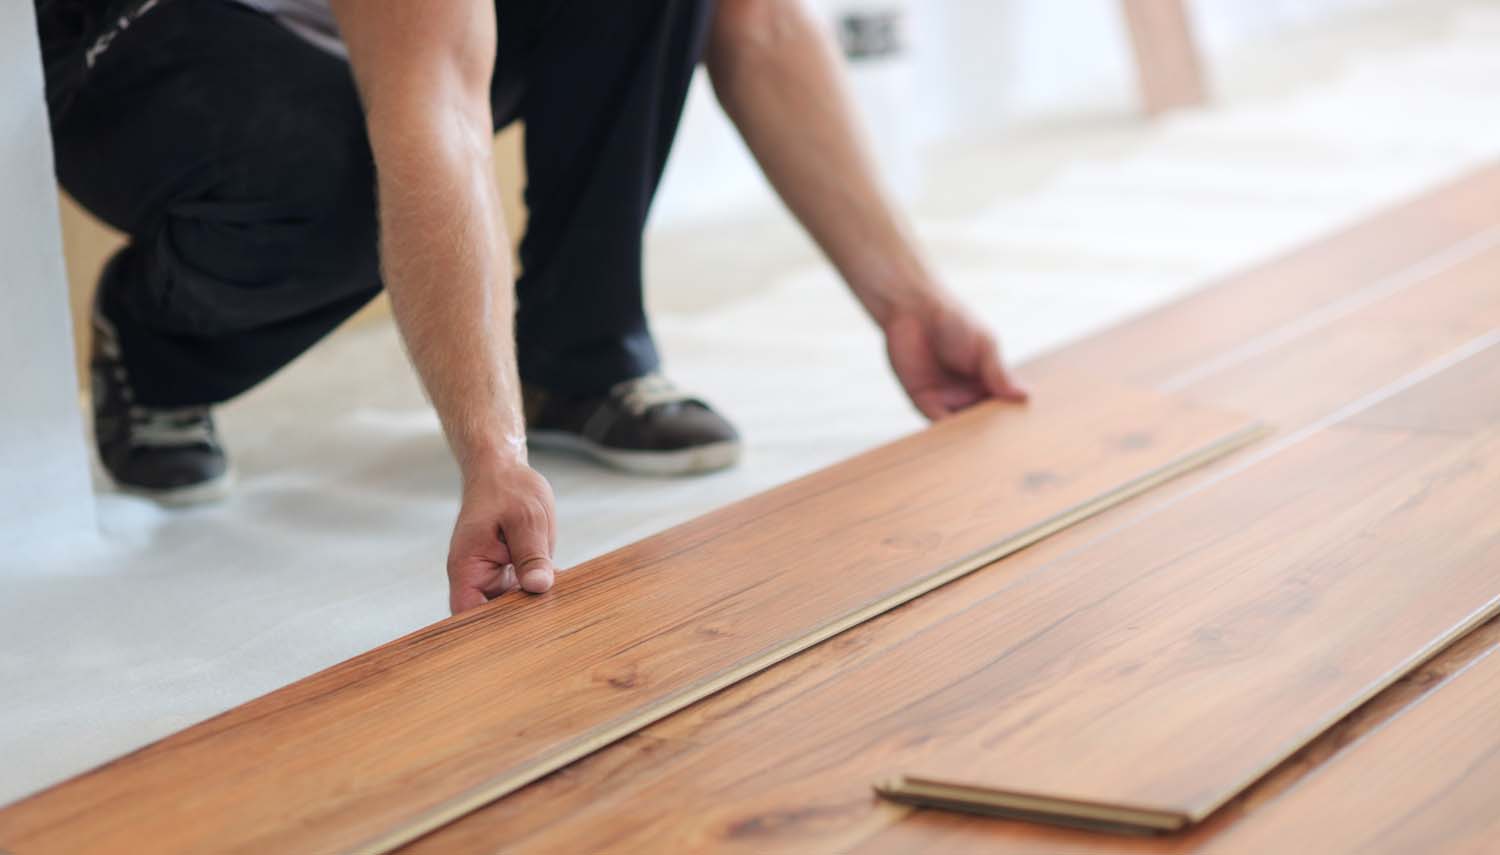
<point>946,360</point>
<point>779,76</point>
<point>504,538</point>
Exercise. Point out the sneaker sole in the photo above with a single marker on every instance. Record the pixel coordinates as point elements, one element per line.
<point>207,492</point>
<point>684,461</point>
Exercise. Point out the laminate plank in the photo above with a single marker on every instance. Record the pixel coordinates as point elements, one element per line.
<point>966,834</point>
<point>1291,382</point>
<point>395,742</point>
<point>794,777</point>
<point>1231,652</point>
<point>1427,782</point>
<point>1465,398</point>
<point>1230,320</point>
<point>1168,68</point>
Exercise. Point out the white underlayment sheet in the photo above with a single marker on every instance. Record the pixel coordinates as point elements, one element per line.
<point>334,542</point>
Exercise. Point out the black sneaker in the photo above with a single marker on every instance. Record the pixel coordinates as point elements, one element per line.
<point>170,454</point>
<point>645,425</point>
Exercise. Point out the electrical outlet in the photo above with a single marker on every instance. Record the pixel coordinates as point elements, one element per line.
<point>871,33</point>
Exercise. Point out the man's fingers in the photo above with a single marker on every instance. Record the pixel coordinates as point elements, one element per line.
<point>529,534</point>
<point>503,583</point>
<point>931,404</point>
<point>997,381</point>
<point>461,599</point>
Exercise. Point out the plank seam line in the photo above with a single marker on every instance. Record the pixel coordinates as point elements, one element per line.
<point>1443,642</point>
<point>1349,410</point>
<point>1463,352</point>
<point>1383,288</point>
<point>604,735</point>
<point>1353,408</point>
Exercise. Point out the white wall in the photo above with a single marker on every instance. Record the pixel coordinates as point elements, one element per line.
<point>44,482</point>
<point>973,66</point>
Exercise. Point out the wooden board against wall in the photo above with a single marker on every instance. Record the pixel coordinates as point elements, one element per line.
<point>1168,66</point>
<point>395,742</point>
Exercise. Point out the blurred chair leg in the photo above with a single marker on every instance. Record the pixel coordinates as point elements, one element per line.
<point>1166,57</point>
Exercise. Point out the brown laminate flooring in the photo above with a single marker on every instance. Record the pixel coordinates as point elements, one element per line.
<point>392,743</point>
<point>792,776</point>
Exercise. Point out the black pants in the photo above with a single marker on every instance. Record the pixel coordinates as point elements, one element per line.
<point>234,155</point>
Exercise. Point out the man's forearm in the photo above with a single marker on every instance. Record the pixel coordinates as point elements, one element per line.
<point>424,75</point>
<point>778,76</point>
<point>449,276</point>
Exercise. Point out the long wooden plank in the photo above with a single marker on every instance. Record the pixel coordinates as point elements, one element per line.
<point>1428,782</point>
<point>1463,399</point>
<point>396,742</point>
<point>650,791</point>
<point>1259,641</point>
<point>1291,383</point>
<point>781,763</point>
<point>1247,312</point>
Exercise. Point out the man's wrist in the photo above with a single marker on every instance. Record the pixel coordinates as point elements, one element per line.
<point>898,298</point>
<point>482,461</point>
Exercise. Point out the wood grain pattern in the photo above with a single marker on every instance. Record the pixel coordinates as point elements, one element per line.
<point>740,799</point>
<point>1241,313</point>
<point>1236,643</point>
<point>965,834</point>
<point>1293,382</point>
<point>1428,782</point>
<point>786,771</point>
<point>392,743</point>
<point>1168,67</point>
<point>587,808</point>
<point>1462,399</point>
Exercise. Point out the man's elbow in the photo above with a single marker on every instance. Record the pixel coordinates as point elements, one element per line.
<point>749,32</point>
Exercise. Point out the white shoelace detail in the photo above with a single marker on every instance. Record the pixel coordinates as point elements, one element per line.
<point>169,427</point>
<point>643,393</point>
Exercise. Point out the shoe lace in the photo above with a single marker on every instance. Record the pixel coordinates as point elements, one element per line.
<point>171,426</point>
<point>640,394</point>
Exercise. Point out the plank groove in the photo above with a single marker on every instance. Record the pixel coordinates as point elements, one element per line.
<point>390,744</point>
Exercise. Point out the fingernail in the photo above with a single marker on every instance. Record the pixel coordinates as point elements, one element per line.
<point>537,581</point>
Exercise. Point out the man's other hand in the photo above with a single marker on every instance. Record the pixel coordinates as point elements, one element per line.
<point>504,537</point>
<point>946,360</point>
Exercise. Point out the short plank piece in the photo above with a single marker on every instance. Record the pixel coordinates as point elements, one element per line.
<point>1256,811</point>
<point>1426,782</point>
<point>1207,644</point>
<point>393,743</point>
